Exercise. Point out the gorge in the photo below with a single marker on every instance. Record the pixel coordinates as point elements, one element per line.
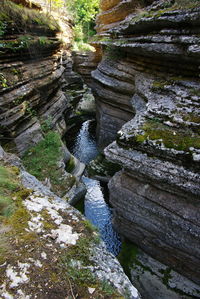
<point>144,76</point>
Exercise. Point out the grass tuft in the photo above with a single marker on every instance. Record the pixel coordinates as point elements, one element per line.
<point>8,185</point>
<point>42,161</point>
<point>24,18</point>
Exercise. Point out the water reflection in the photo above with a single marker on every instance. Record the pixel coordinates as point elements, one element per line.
<point>95,207</point>
<point>85,147</point>
<point>99,213</point>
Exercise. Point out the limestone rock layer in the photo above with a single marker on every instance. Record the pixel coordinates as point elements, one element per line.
<point>30,76</point>
<point>148,102</point>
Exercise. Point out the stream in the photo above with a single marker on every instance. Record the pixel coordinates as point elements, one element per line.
<point>83,146</point>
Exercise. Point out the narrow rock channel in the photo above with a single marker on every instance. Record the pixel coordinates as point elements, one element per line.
<point>84,148</point>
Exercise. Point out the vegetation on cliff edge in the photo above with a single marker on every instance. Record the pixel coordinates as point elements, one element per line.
<point>14,17</point>
<point>43,160</point>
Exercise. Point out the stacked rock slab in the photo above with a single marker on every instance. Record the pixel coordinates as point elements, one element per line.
<point>85,63</point>
<point>38,248</point>
<point>150,75</point>
<point>30,77</point>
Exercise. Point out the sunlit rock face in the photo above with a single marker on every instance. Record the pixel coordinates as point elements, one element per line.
<point>147,93</point>
<point>31,79</point>
<point>112,12</point>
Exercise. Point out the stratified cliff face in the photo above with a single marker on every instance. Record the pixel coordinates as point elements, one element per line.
<point>30,76</point>
<point>85,63</point>
<point>150,76</point>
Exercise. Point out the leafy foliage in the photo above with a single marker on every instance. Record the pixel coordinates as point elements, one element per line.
<point>84,13</point>
<point>84,10</point>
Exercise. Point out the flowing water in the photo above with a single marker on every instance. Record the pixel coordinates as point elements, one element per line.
<point>85,147</point>
<point>95,208</point>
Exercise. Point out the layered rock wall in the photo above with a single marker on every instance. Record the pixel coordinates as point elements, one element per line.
<point>150,76</point>
<point>31,75</point>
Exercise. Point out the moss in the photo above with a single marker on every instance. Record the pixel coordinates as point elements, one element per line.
<point>43,159</point>
<point>17,244</point>
<point>89,226</point>
<point>181,139</point>
<point>9,183</point>
<point>48,223</point>
<point>195,92</point>
<point>6,206</point>
<point>98,38</point>
<point>141,14</point>
<point>19,220</point>
<point>159,85</point>
<point>187,3</point>
<point>128,256</point>
<point>70,165</point>
<point>75,262</point>
<point>27,44</point>
<point>167,7</point>
<point>191,117</point>
<point>5,249</point>
<point>3,81</point>
<point>54,277</point>
<point>14,216</point>
<point>166,275</point>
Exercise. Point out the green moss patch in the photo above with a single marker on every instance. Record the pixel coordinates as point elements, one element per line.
<point>128,256</point>
<point>43,159</point>
<point>166,275</point>
<point>195,92</point>
<point>8,185</point>
<point>181,139</point>
<point>70,164</point>
<point>192,117</point>
<point>13,215</point>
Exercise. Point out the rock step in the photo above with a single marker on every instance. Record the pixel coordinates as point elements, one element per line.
<point>78,169</point>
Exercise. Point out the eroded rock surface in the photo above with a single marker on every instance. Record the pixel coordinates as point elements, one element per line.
<point>147,89</point>
<point>51,250</point>
<point>31,76</point>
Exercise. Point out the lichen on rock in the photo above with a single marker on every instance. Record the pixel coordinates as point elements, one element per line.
<point>147,94</point>
<point>52,245</point>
